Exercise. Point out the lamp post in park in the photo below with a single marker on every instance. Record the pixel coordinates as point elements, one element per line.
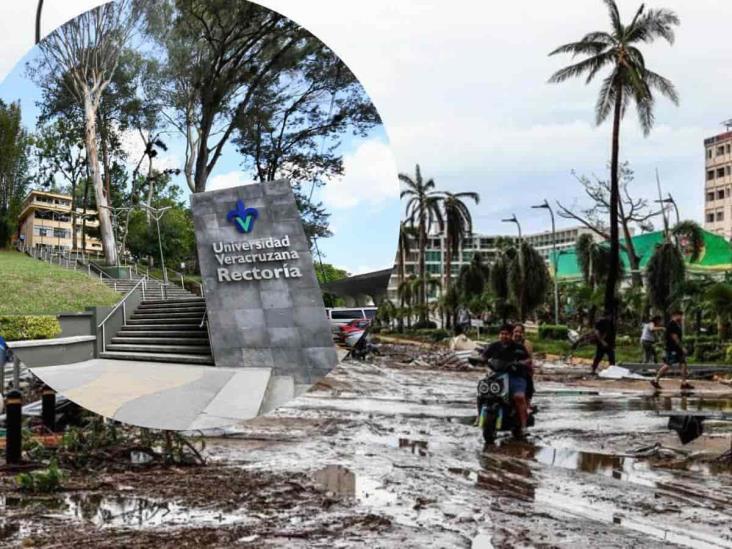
<point>158,213</point>
<point>555,259</point>
<point>513,219</point>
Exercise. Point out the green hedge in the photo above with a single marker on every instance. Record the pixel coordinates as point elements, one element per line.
<point>20,328</point>
<point>553,331</point>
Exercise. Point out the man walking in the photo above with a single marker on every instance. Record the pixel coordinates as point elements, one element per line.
<point>603,346</point>
<point>675,351</point>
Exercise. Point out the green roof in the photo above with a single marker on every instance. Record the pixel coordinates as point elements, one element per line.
<point>716,255</point>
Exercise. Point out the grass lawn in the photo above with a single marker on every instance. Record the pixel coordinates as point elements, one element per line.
<point>33,287</point>
<point>624,352</point>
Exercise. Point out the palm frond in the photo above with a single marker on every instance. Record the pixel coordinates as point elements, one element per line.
<point>614,16</point>
<point>606,98</point>
<point>583,47</point>
<point>694,235</point>
<point>663,85</point>
<point>590,65</point>
<point>653,24</point>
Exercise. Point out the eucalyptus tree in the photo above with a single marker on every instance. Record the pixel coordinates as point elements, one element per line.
<point>629,81</point>
<point>84,54</point>
<point>458,225</point>
<point>14,164</point>
<point>423,210</point>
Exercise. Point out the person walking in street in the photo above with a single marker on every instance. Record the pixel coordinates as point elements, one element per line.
<point>675,351</point>
<point>648,340</point>
<point>603,346</point>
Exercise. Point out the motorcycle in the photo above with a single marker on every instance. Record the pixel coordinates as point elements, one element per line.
<point>497,409</point>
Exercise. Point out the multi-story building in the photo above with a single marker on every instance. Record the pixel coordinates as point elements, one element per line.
<point>718,183</point>
<point>487,246</point>
<point>45,222</point>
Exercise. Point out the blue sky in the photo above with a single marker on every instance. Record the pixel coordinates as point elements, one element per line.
<point>364,203</point>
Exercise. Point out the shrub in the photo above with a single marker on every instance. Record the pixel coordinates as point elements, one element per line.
<point>43,481</point>
<point>426,325</point>
<point>19,328</point>
<point>436,334</point>
<point>728,355</point>
<point>553,331</point>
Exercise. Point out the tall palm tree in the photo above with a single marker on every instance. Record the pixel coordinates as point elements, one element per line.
<point>528,280</point>
<point>39,12</point>
<point>665,275</point>
<point>407,236</point>
<point>629,80</point>
<point>422,211</point>
<point>692,235</point>
<point>406,291</point>
<point>458,225</point>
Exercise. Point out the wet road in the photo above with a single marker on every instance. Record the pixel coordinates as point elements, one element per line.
<point>399,443</point>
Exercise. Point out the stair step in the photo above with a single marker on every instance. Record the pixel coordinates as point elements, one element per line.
<point>166,349</point>
<point>183,301</point>
<point>170,306</point>
<point>168,314</point>
<point>164,321</point>
<point>157,357</point>
<point>155,339</point>
<point>142,328</point>
<point>194,334</point>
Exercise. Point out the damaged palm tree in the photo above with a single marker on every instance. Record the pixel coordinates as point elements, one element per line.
<point>84,55</point>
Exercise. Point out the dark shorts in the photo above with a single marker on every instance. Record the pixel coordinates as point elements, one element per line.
<point>674,358</point>
<point>517,385</point>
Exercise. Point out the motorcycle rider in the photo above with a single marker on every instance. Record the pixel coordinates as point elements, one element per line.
<point>519,337</point>
<point>506,350</point>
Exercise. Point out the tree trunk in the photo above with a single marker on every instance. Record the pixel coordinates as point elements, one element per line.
<point>612,277</point>
<point>422,293</point>
<point>74,239</point>
<point>635,275</point>
<point>83,219</point>
<point>448,276</point>
<point>105,220</point>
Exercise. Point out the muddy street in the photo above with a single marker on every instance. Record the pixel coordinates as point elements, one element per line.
<point>384,454</point>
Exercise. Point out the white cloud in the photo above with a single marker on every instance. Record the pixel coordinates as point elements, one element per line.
<point>370,178</point>
<point>228,180</point>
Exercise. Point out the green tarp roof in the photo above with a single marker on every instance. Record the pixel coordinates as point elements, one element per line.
<point>716,255</point>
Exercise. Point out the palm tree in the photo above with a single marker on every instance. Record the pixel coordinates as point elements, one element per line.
<point>719,299</point>
<point>629,80</point>
<point>665,275</point>
<point>692,235</point>
<point>39,12</point>
<point>422,211</point>
<point>407,235</point>
<point>528,280</point>
<point>499,283</point>
<point>458,225</point>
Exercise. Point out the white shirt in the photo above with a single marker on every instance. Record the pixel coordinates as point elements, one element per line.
<point>648,334</point>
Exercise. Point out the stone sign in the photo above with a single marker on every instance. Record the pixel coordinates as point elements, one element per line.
<point>264,303</point>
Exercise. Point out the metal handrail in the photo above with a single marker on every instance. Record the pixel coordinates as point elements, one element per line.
<point>123,304</point>
<point>102,274</point>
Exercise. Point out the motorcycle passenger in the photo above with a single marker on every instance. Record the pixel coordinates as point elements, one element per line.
<point>508,351</point>
<point>519,337</point>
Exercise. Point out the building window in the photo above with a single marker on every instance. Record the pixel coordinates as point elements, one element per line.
<point>433,256</point>
<point>720,172</point>
<point>729,170</point>
<point>434,269</point>
<point>709,154</point>
<point>720,150</point>
<point>710,197</point>
<point>720,216</point>
<point>710,218</point>
<point>710,175</point>
<point>720,194</point>
<point>728,148</point>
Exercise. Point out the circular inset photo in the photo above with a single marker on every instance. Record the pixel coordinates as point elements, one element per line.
<point>202,194</point>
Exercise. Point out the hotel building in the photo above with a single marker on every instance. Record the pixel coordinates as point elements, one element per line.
<point>717,184</point>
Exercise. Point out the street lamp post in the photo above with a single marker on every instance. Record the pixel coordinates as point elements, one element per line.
<point>158,213</point>
<point>513,219</point>
<point>555,259</point>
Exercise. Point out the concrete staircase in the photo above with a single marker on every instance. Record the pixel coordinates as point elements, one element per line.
<point>164,330</point>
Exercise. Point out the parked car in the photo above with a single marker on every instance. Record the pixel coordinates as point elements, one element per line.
<point>343,315</point>
<point>357,325</point>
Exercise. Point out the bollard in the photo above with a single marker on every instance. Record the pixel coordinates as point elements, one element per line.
<point>49,408</point>
<point>13,418</point>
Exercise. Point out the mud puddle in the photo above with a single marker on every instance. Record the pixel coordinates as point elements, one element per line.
<point>649,403</point>
<point>118,511</point>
